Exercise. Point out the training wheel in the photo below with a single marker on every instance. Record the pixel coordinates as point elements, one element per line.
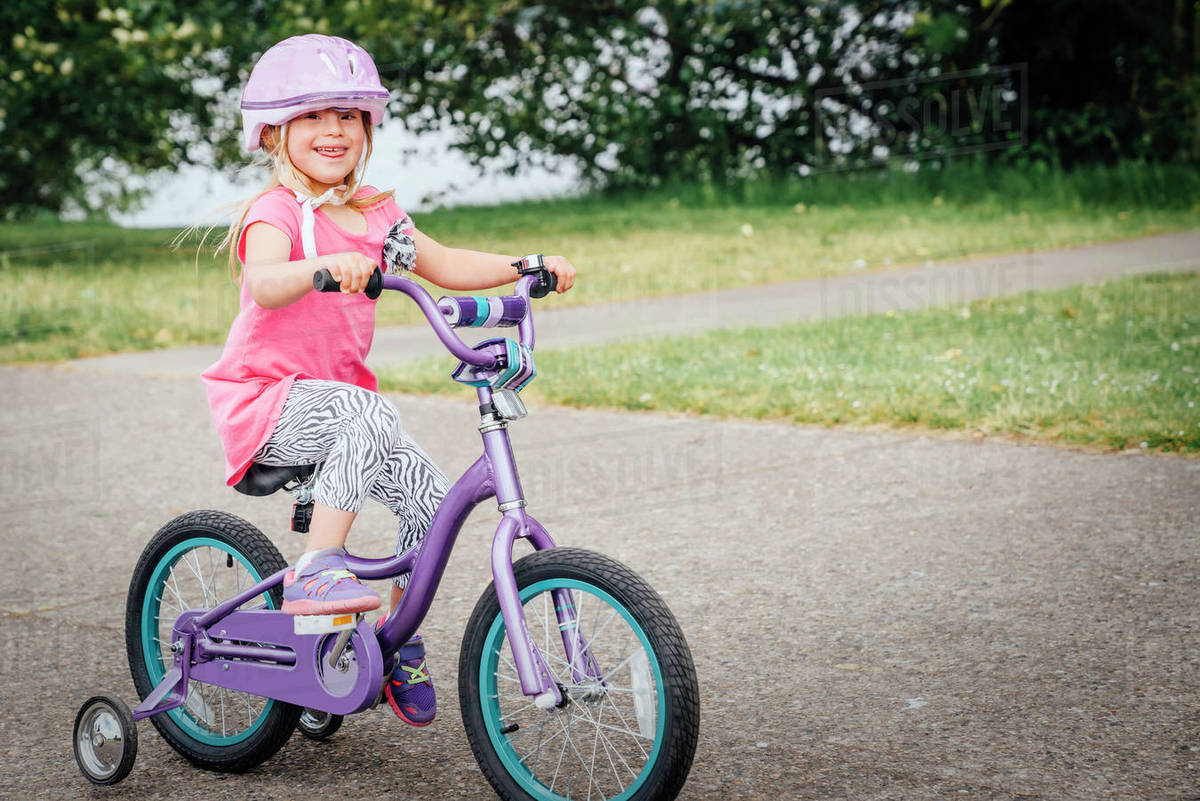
<point>317,725</point>
<point>105,739</point>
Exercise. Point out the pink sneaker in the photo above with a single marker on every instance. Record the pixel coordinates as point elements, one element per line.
<point>326,587</point>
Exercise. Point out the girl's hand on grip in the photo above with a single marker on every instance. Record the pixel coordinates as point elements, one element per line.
<point>563,270</point>
<point>351,270</point>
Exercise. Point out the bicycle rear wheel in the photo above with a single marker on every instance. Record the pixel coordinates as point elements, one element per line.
<point>630,735</point>
<point>194,562</point>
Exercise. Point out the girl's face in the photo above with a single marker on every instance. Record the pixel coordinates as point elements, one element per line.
<point>326,145</point>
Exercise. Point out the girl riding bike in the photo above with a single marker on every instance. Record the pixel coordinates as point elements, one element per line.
<point>292,386</point>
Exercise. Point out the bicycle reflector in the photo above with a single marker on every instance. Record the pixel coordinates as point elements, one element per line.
<point>515,370</point>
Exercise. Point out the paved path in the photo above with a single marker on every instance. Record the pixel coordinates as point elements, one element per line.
<point>873,615</point>
<point>856,293</point>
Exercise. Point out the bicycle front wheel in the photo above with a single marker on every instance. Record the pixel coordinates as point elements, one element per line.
<point>628,728</point>
<point>196,561</point>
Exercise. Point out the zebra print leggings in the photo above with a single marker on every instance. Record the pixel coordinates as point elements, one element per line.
<point>366,452</point>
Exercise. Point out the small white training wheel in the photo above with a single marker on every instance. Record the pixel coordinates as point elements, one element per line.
<point>105,739</point>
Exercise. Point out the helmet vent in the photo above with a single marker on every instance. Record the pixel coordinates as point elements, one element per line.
<point>328,63</point>
<point>353,64</point>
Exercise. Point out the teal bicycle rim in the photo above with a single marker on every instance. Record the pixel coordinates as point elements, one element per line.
<point>151,606</point>
<point>489,691</point>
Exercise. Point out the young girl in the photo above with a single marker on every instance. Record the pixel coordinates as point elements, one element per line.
<point>292,386</point>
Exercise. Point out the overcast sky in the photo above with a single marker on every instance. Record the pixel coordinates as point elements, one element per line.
<point>196,194</point>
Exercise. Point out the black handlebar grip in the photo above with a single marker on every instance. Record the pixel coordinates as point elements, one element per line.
<point>323,282</point>
<point>547,283</point>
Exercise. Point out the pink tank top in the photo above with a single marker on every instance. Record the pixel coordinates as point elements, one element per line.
<point>325,336</point>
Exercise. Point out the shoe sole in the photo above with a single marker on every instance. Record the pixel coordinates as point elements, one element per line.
<point>306,607</point>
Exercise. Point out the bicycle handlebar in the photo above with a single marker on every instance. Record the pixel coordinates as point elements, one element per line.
<point>487,359</point>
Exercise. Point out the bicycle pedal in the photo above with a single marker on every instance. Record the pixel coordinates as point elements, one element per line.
<point>301,517</point>
<point>324,624</point>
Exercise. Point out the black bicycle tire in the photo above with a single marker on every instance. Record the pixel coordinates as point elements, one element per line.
<point>266,559</point>
<point>668,775</point>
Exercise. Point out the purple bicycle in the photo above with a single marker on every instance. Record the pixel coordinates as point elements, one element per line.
<point>575,680</point>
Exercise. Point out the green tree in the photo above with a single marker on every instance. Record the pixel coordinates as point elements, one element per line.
<point>1107,79</point>
<point>632,91</point>
<point>91,93</point>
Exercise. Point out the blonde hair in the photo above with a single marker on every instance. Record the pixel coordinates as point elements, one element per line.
<point>285,173</point>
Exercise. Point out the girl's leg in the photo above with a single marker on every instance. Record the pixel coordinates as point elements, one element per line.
<point>354,431</point>
<point>412,486</point>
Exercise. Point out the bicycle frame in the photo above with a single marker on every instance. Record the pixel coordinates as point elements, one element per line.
<point>257,651</point>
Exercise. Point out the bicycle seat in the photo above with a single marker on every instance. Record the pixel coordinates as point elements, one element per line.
<point>263,479</point>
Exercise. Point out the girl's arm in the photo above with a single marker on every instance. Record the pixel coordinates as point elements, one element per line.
<point>461,269</point>
<point>275,282</point>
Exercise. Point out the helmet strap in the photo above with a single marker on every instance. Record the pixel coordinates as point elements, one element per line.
<point>308,217</point>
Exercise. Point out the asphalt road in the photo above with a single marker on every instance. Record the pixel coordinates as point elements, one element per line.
<point>873,615</point>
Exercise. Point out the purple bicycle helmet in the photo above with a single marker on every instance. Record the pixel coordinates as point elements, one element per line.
<point>309,73</point>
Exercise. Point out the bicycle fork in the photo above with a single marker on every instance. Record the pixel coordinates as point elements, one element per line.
<point>536,680</point>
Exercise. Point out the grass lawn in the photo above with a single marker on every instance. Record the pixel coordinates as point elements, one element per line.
<point>75,289</point>
<point>1115,365</point>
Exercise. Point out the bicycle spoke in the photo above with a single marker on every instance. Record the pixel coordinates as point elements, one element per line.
<point>511,666</point>
<point>536,752</point>
<point>546,621</point>
<point>561,754</point>
<point>588,645</point>
<point>609,745</point>
<point>179,609</point>
<point>520,709</point>
<point>212,576</point>
<point>578,607</point>
<point>637,738</point>
<point>193,562</point>
<point>611,749</point>
<point>175,588</point>
<point>609,727</point>
<point>592,769</point>
<point>620,665</point>
<point>591,776</point>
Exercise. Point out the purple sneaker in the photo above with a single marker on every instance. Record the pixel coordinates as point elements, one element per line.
<point>326,587</point>
<point>410,689</point>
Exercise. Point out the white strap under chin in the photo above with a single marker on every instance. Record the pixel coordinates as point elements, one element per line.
<point>308,219</point>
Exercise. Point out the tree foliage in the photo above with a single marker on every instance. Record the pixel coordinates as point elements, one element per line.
<point>92,93</point>
<point>1107,79</point>
<point>633,91</point>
